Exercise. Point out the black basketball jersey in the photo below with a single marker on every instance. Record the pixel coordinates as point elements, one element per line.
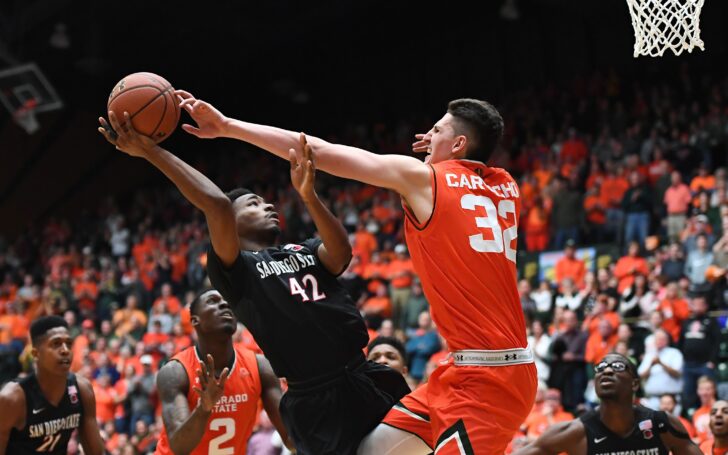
<point>644,440</point>
<point>294,307</point>
<point>47,428</point>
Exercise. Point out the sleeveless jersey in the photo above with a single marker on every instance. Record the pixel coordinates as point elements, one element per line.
<point>644,440</point>
<point>47,428</point>
<point>231,421</point>
<point>465,255</point>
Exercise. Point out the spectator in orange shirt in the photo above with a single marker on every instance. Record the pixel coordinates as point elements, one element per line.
<point>155,338</point>
<point>552,412</point>
<point>85,292</point>
<point>677,202</point>
<point>537,226</point>
<point>703,181</point>
<point>569,266</point>
<point>629,266</point>
<point>399,273</point>
<point>173,304</point>
<point>105,399</point>
<point>378,307</point>
<point>364,243</point>
<point>573,149</point>
<point>595,212</point>
<point>612,192</point>
<point>130,320</point>
<point>601,342</point>
<point>674,311</point>
<point>701,416</point>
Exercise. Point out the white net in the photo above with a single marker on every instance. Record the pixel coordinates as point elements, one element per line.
<point>665,24</point>
<point>25,117</point>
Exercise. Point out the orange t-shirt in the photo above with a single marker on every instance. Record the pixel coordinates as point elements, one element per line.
<point>104,403</point>
<point>594,213</point>
<point>538,423</point>
<point>626,268</point>
<point>613,189</point>
<point>707,448</point>
<point>231,423</point>
<point>699,183</point>
<point>378,305</point>
<point>674,312</point>
<point>701,422</point>
<point>597,347</point>
<point>398,266</point>
<point>570,268</point>
<point>470,235</point>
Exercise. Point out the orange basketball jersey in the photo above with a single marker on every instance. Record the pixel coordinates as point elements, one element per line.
<point>465,255</point>
<point>231,422</point>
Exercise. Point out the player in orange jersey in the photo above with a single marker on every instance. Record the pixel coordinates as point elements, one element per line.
<point>208,408</point>
<point>461,228</point>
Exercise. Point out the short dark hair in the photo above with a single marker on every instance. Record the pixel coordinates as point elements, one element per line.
<point>481,122</point>
<point>41,326</point>
<point>195,303</point>
<point>392,341</point>
<point>236,193</point>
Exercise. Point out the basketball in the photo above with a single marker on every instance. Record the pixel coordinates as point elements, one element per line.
<point>150,101</point>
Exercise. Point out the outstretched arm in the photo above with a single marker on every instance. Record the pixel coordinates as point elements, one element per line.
<point>566,437</point>
<point>197,188</point>
<point>335,252</point>
<point>271,396</point>
<point>403,174</point>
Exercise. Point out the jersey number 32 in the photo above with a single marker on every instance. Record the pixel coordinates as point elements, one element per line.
<point>502,239</point>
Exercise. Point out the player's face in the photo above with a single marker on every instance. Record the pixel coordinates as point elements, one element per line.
<point>53,353</point>
<point>613,379</point>
<point>719,418</point>
<point>214,315</point>
<point>254,215</point>
<point>442,139</point>
<point>387,355</point>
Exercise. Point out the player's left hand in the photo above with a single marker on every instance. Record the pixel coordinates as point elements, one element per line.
<point>210,388</point>
<point>303,171</point>
<point>124,137</point>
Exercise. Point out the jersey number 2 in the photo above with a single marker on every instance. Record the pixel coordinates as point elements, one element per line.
<point>307,280</point>
<point>501,238</point>
<point>229,425</point>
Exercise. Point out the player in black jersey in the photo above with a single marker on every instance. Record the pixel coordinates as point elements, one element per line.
<point>289,297</point>
<point>617,426</point>
<point>39,413</point>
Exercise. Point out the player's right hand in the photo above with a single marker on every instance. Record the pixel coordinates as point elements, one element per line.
<point>210,388</point>
<point>124,137</point>
<point>211,123</point>
<point>421,145</point>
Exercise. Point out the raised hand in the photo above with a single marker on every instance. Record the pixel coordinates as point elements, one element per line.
<point>421,145</point>
<point>211,123</point>
<point>210,388</point>
<point>303,171</point>
<point>124,137</point>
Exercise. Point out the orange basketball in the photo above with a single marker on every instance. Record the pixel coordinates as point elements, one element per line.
<point>150,101</point>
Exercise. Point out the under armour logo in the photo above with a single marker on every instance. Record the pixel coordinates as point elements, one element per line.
<point>511,356</point>
<point>459,357</point>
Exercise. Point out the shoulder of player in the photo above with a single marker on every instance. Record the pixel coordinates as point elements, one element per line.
<point>12,401</point>
<point>265,372</point>
<point>172,379</point>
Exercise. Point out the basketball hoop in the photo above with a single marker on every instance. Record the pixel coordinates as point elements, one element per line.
<point>665,24</point>
<point>25,117</point>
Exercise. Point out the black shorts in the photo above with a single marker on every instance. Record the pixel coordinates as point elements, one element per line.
<point>333,413</point>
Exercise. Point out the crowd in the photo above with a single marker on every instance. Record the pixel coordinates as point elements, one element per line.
<point>638,166</point>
